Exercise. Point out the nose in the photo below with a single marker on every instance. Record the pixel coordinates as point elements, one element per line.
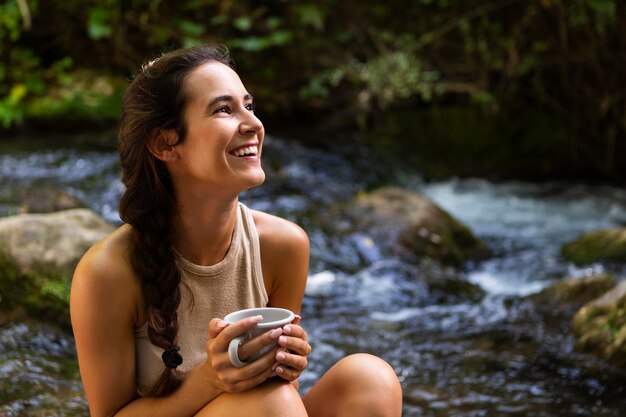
<point>250,124</point>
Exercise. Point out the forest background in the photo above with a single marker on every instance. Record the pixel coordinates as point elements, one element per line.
<point>525,89</point>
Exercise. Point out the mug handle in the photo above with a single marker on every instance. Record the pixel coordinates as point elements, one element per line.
<point>233,355</point>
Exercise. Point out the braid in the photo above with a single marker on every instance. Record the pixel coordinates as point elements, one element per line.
<point>153,260</point>
<point>155,100</point>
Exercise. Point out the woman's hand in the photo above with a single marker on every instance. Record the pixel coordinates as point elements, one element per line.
<point>292,358</point>
<point>223,375</point>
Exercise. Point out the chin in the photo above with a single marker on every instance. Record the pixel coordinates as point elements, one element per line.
<point>258,179</point>
<point>261,178</point>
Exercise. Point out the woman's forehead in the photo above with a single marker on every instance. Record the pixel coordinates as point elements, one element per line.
<point>214,79</point>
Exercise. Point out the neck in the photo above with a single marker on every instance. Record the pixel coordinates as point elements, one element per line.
<point>203,231</point>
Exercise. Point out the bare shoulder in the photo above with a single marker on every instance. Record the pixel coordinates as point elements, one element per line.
<point>105,273</point>
<point>276,233</point>
<point>284,258</point>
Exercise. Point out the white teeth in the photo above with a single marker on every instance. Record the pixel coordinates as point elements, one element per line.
<point>249,150</point>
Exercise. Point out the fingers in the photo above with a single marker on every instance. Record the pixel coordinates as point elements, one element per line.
<point>250,375</point>
<point>292,357</point>
<point>255,345</point>
<point>288,360</point>
<point>228,377</point>
<point>289,365</point>
<point>294,338</point>
<point>215,327</point>
<point>231,331</point>
<point>258,368</point>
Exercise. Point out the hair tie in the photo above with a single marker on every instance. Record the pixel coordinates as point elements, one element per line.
<point>171,357</point>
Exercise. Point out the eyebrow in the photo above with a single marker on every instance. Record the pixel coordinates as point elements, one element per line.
<point>219,99</point>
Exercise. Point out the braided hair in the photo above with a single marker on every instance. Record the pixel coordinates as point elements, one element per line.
<point>155,100</point>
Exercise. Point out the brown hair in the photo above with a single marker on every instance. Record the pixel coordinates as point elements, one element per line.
<point>156,99</point>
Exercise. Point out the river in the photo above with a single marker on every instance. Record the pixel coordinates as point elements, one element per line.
<point>491,355</point>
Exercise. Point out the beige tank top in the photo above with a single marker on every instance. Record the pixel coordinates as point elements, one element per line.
<point>235,283</point>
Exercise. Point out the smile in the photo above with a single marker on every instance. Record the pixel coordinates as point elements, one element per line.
<point>245,151</point>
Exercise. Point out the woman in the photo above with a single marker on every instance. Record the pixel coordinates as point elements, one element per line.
<point>147,301</point>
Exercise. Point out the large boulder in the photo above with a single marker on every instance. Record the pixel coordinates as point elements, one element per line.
<point>599,245</point>
<point>38,253</point>
<point>601,326</point>
<point>412,226</point>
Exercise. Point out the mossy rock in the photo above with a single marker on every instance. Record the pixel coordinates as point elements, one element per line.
<point>446,288</point>
<point>43,293</point>
<point>601,326</point>
<point>579,290</point>
<point>38,254</point>
<point>412,226</point>
<point>599,245</point>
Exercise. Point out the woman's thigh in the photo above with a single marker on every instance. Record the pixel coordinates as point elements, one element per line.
<point>273,398</point>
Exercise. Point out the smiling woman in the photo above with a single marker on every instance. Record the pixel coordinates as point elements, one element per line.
<point>147,301</point>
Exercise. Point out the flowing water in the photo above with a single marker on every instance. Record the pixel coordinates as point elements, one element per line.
<point>489,355</point>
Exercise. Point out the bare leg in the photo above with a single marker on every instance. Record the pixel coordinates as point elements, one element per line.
<point>358,385</point>
<point>273,398</point>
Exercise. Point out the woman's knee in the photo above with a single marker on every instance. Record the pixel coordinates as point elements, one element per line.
<point>369,371</point>
<point>369,377</point>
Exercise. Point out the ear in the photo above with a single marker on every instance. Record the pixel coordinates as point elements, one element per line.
<point>163,144</point>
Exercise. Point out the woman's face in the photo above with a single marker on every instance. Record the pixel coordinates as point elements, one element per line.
<point>221,151</point>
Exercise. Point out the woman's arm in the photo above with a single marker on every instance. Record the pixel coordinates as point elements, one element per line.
<point>106,306</point>
<point>285,262</point>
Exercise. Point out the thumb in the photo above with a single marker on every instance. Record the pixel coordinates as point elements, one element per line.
<point>216,326</point>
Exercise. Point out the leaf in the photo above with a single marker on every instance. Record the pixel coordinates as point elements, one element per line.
<point>188,42</point>
<point>280,37</point>
<point>252,44</point>
<point>243,23</point>
<point>311,15</point>
<point>98,24</point>
<point>191,28</point>
<point>18,92</point>
<point>273,22</point>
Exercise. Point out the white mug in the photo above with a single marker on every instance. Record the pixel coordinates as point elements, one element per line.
<point>273,318</point>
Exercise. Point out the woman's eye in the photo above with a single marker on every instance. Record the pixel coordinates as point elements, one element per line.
<point>251,107</point>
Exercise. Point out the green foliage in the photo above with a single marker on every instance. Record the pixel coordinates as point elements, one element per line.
<point>99,23</point>
<point>43,293</point>
<point>10,21</point>
<point>560,57</point>
<point>82,95</point>
<point>392,77</point>
<point>602,14</point>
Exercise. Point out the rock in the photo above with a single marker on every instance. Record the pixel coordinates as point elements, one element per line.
<point>601,326</point>
<point>577,291</point>
<point>410,225</point>
<point>599,245</point>
<point>38,253</point>
<point>446,285</point>
<point>47,200</point>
